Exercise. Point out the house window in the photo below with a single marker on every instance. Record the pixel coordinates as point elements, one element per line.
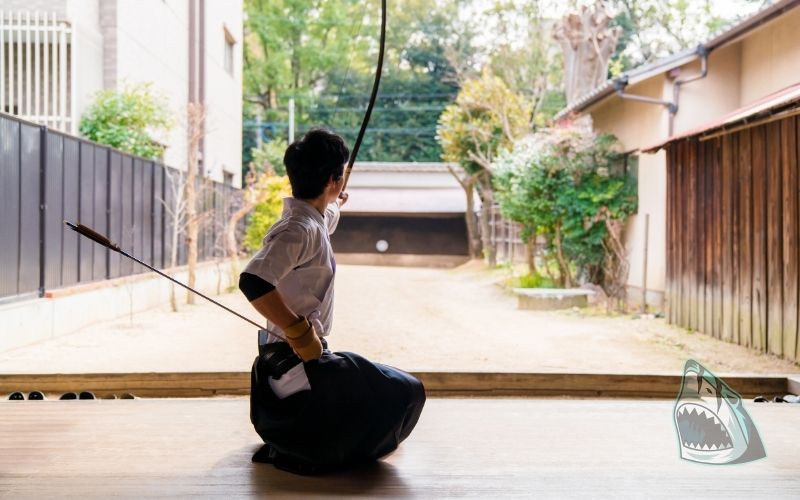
<point>230,42</point>
<point>631,166</point>
<point>227,178</point>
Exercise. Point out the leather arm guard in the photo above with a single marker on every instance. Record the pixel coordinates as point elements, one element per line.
<point>304,339</point>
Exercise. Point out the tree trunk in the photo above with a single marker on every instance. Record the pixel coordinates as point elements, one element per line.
<point>472,230</point>
<point>195,120</point>
<point>530,257</point>
<point>487,200</point>
<point>566,274</point>
<point>231,246</point>
<point>587,43</point>
<point>468,185</point>
<point>173,262</point>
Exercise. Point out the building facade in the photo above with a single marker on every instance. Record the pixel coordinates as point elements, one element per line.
<point>403,213</point>
<point>752,59</point>
<point>56,55</point>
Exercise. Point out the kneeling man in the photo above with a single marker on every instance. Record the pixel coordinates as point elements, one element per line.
<point>316,410</point>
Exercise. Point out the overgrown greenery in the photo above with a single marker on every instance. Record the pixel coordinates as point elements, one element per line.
<point>127,119</point>
<point>267,212</point>
<point>269,157</point>
<point>568,186</point>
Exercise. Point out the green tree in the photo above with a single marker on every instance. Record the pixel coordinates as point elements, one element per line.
<point>486,117</point>
<point>418,78</point>
<point>566,185</point>
<point>291,46</point>
<point>126,119</point>
<point>652,29</point>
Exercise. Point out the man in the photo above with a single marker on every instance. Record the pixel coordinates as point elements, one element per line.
<point>316,410</point>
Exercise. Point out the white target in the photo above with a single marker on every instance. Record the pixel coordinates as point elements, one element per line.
<point>382,245</point>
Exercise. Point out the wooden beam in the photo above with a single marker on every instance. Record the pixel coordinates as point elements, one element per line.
<point>437,384</point>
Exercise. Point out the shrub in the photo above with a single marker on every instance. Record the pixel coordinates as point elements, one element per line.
<point>266,213</point>
<point>564,184</point>
<point>126,119</point>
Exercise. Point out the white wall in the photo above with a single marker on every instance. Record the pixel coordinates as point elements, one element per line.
<point>57,7</point>
<point>223,91</point>
<point>73,308</point>
<point>152,46</point>
<point>402,179</point>
<point>87,51</point>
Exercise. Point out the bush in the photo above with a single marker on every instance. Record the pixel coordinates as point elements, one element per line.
<point>564,184</point>
<point>125,120</point>
<point>266,213</point>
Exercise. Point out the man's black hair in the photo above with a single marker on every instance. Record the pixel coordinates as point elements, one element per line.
<point>312,160</point>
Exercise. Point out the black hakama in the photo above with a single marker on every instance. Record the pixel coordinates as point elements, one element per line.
<point>356,411</point>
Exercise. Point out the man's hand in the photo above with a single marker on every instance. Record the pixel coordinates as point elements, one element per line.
<point>342,198</point>
<point>303,339</point>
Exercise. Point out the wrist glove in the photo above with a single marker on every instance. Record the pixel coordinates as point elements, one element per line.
<point>304,339</point>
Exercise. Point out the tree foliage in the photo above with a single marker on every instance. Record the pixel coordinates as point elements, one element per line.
<point>269,157</point>
<point>486,117</point>
<point>291,46</point>
<point>272,191</point>
<point>283,60</point>
<point>567,185</point>
<point>127,119</point>
<point>652,29</point>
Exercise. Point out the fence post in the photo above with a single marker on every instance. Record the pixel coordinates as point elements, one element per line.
<point>42,204</point>
<point>108,210</point>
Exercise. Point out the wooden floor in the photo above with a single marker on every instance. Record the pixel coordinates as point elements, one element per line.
<point>486,448</point>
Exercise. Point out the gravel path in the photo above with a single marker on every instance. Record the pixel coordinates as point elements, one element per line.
<point>417,319</point>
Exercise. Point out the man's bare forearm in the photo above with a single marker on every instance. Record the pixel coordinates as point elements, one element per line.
<point>273,307</point>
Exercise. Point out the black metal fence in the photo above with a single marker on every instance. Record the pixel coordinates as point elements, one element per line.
<point>47,177</point>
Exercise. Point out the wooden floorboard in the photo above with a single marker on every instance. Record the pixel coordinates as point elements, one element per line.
<point>440,384</point>
<point>475,448</point>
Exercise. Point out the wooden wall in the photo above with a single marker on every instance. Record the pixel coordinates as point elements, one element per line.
<point>732,236</point>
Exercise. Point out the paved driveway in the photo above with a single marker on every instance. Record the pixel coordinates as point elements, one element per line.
<point>417,319</point>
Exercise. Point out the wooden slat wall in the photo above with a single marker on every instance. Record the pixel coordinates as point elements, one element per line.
<point>788,131</point>
<point>733,225</point>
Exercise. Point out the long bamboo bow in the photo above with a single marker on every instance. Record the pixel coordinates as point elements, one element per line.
<point>373,96</point>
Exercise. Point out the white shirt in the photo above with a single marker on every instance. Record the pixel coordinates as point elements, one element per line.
<point>297,258</point>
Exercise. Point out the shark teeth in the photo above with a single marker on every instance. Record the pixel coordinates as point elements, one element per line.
<point>694,418</point>
<point>706,447</point>
<point>700,411</point>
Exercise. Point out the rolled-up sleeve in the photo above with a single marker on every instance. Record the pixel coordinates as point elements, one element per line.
<point>332,214</point>
<point>284,249</point>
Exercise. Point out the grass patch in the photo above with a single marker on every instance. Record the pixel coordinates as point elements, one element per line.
<point>530,281</point>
